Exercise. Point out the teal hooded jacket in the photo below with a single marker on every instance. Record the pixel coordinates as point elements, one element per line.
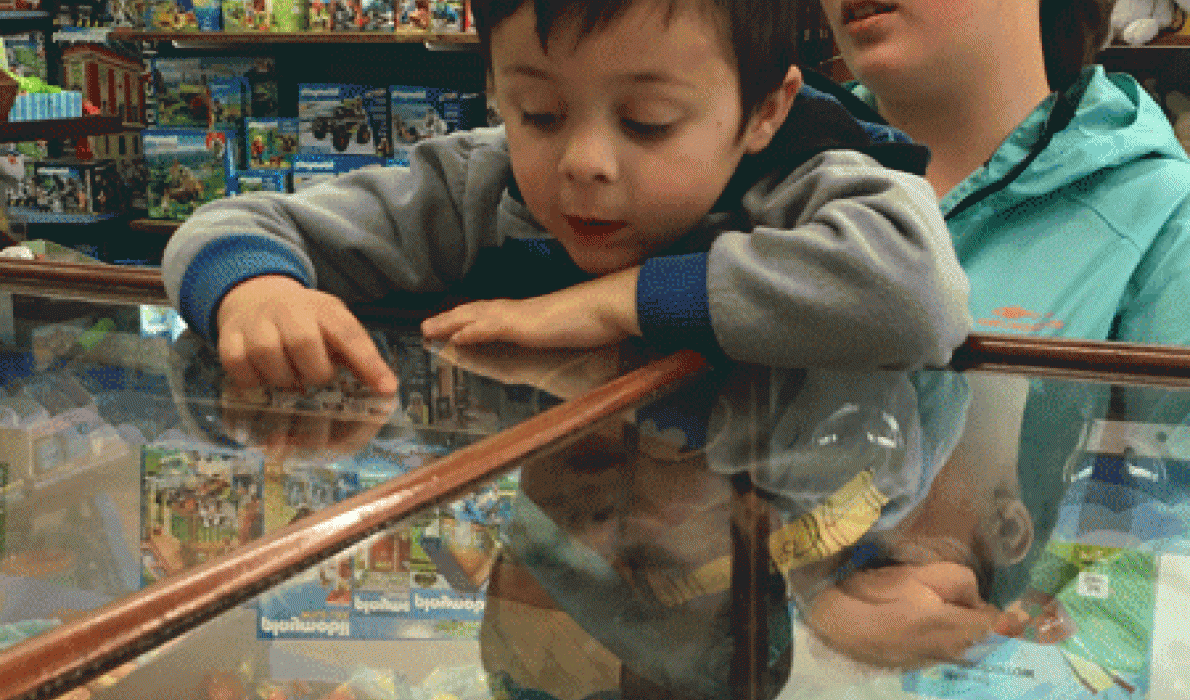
<point>1092,239</point>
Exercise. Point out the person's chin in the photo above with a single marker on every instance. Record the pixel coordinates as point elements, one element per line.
<point>602,262</point>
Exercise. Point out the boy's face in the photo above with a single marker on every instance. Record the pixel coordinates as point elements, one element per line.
<point>621,141</point>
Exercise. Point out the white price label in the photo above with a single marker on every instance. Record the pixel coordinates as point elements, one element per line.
<point>1091,585</point>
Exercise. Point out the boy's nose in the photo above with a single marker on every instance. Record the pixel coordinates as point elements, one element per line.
<point>589,156</point>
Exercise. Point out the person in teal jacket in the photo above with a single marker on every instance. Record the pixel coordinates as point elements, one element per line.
<point>1063,186</point>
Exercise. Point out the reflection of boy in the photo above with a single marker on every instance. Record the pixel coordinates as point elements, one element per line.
<point>698,217</point>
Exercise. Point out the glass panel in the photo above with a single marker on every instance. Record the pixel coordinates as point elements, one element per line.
<point>126,459</point>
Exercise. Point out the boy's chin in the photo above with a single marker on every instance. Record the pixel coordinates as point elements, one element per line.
<point>601,263</point>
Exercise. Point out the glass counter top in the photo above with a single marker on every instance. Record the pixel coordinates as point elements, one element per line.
<point>578,525</point>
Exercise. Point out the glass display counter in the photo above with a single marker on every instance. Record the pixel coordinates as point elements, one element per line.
<point>581,525</point>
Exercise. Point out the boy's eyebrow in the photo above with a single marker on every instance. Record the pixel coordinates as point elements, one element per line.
<point>644,77</point>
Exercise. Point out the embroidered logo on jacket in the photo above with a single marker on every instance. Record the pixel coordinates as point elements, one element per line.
<point>1017,318</point>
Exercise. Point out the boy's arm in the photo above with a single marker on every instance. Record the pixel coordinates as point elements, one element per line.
<point>358,237</point>
<point>849,265</point>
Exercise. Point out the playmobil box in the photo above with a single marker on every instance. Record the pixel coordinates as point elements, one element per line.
<point>68,187</point>
<point>415,115</point>
<point>312,169</point>
<point>376,104</point>
<point>347,164</point>
<point>245,181</point>
<point>247,15</point>
<point>333,120</point>
<point>187,168</point>
<point>198,502</point>
<point>289,15</point>
<point>229,100</point>
<point>180,90</point>
<point>412,15</point>
<point>447,16</point>
<point>362,16</point>
<point>462,110</point>
<point>319,15</point>
<point>271,143</point>
<point>183,15</point>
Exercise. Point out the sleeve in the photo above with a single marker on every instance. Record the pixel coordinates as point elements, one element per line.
<point>1156,311</point>
<point>359,236</point>
<point>849,265</point>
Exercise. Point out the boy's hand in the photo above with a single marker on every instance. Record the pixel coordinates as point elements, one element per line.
<point>276,332</point>
<point>590,314</point>
<point>905,616</point>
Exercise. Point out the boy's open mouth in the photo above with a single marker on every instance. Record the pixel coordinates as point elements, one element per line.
<point>585,227</point>
<point>859,11</point>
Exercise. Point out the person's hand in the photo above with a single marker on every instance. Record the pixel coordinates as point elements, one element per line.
<point>904,616</point>
<point>590,314</point>
<point>273,331</point>
<point>562,372</point>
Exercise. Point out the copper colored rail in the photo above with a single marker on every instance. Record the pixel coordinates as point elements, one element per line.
<point>78,651</point>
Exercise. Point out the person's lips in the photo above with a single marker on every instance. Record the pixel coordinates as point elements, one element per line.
<point>592,228</point>
<point>861,10</point>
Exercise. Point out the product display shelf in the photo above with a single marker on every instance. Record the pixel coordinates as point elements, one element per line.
<point>161,226</point>
<point>236,38</point>
<point>21,21</point>
<point>45,129</point>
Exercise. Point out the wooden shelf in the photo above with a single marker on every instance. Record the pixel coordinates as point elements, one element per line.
<point>22,21</point>
<point>298,37</point>
<point>62,128</point>
<point>160,226</point>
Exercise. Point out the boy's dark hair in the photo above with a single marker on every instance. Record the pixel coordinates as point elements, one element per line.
<point>1072,33</point>
<point>760,35</point>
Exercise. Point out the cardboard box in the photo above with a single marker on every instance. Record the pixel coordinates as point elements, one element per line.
<point>271,143</point>
<point>187,168</point>
<point>415,115</point>
<point>181,88</point>
<point>312,169</point>
<point>333,119</point>
<point>67,187</point>
<point>246,181</point>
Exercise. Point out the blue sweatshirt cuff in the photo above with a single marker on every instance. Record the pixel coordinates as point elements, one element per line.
<point>672,306</point>
<point>223,264</point>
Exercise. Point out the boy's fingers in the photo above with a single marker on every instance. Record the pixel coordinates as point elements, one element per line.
<point>267,355</point>
<point>954,583</point>
<point>349,340</point>
<point>308,352</point>
<point>233,357</point>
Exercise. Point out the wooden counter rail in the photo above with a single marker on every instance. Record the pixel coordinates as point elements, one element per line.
<point>78,651</point>
<point>1060,357</point>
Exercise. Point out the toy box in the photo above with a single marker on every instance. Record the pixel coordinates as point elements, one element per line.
<point>246,181</point>
<point>187,168</point>
<point>180,88</point>
<point>333,120</point>
<point>271,143</point>
<point>319,15</point>
<point>462,110</point>
<point>414,116</point>
<point>289,15</point>
<point>312,169</point>
<point>412,15</point>
<point>447,16</point>
<point>183,15</point>
<point>229,98</point>
<point>66,187</point>
<point>198,502</point>
<point>376,104</point>
<point>347,164</point>
<point>247,15</point>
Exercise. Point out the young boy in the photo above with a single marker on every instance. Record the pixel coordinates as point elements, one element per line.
<point>660,173</point>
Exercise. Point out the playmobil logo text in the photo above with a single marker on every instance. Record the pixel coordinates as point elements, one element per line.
<point>330,628</point>
<point>320,92</point>
<point>382,605</point>
<point>447,604</point>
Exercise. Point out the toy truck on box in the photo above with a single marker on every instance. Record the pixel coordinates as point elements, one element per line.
<point>345,120</point>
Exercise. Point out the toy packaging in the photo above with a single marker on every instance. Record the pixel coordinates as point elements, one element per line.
<point>312,169</point>
<point>447,16</point>
<point>412,15</point>
<point>333,120</point>
<point>76,187</point>
<point>289,15</point>
<point>462,110</point>
<point>376,104</point>
<point>425,578</point>
<point>246,181</point>
<point>378,16</point>
<point>198,502</point>
<point>346,164</point>
<point>247,15</point>
<point>319,15</point>
<point>229,98</point>
<point>180,88</point>
<point>187,168</point>
<point>415,116</point>
<point>271,143</point>
<point>183,15</point>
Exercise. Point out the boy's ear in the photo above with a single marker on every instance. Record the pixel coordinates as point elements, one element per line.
<point>770,115</point>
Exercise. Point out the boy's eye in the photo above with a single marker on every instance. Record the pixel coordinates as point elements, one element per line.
<point>647,130</point>
<point>541,120</point>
